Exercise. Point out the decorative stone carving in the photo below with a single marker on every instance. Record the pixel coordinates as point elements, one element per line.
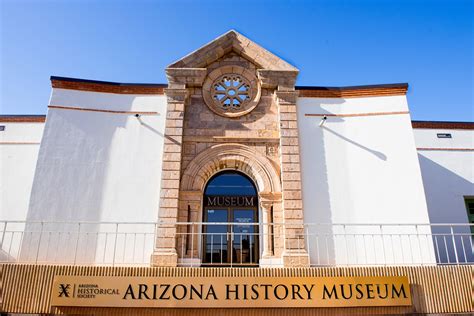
<point>231,91</point>
<point>272,150</point>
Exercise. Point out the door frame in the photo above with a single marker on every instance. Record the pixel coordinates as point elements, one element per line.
<point>230,217</point>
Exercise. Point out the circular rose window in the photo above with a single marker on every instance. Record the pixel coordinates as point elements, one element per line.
<point>231,91</point>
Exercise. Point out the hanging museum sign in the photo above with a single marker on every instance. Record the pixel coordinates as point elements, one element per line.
<point>228,292</point>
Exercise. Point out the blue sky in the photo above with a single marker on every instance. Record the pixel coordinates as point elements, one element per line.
<point>428,44</point>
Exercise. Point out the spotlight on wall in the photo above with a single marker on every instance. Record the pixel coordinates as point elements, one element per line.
<point>323,120</point>
<point>139,118</point>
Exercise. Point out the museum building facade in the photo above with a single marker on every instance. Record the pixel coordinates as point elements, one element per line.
<point>232,166</point>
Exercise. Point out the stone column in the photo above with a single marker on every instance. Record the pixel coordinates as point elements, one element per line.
<point>294,253</point>
<point>269,203</point>
<point>165,247</point>
<point>267,229</point>
<point>193,250</point>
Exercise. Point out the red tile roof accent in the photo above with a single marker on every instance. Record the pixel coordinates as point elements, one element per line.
<point>354,92</point>
<point>442,125</point>
<point>22,118</point>
<point>108,87</point>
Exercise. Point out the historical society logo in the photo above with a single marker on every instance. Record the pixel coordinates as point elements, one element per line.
<point>64,290</point>
<point>85,290</point>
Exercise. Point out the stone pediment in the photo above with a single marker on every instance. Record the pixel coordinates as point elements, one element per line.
<point>191,70</point>
<point>233,41</point>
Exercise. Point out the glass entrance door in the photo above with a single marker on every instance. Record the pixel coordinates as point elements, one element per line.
<point>235,241</point>
<point>244,236</point>
<point>215,236</point>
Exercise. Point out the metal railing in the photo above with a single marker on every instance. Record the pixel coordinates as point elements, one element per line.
<point>236,244</point>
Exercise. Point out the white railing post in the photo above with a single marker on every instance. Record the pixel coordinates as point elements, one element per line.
<point>307,244</point>
<point>77,242</point>
<point>463,248</point>
<point>231,245</point>
<point>419,246</point>
<point>344,234</point>
<point>383,245</point>
<point>3,234</point>
<point>115,244</point>
<point>39,243</point>
<point>454,245</point>
<point>192,245</point>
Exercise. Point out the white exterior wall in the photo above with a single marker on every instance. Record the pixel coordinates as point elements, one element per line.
<point>98,167</point>
<point>448,177</point>
<point>362,170</point>
<point>19,146</point>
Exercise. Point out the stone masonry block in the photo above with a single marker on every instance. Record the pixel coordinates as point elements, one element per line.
<point>170,175</point>
<point>291,176</point>
<point>170,184</point>
<point>292,204</point>
<point>171,165</point>
<point>171,156</point>
<point>291,185</point>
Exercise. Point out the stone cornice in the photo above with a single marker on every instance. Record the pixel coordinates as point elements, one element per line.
<point>281,79</point>
<point>286,97</point>
<point>270,197</point>
<point>186,77</point>
<point>176,95</point>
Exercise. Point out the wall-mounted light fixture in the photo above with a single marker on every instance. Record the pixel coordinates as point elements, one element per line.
<point>323,120</point>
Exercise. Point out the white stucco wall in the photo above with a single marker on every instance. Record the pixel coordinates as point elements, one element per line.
<point>362,170</point>
<point>98,167</point>
<point>19,146</point>
<point>448,177</point>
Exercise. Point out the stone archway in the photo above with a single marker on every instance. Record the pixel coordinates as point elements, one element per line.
<point>230,157</point>
<point>234,157</point>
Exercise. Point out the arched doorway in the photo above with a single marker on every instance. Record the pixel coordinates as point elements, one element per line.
<point>230,217</point>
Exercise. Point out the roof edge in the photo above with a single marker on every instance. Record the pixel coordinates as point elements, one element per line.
<point>442,125</point>
<point>27,118</point>
<point>378,90</point>
<point>106,86</point>
<point>381,85</point>
<point>121,84</point>
<point>158,88</point>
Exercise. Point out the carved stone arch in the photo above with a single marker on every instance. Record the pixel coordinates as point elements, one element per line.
<point>231,157</point>
<point>259,168</point>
